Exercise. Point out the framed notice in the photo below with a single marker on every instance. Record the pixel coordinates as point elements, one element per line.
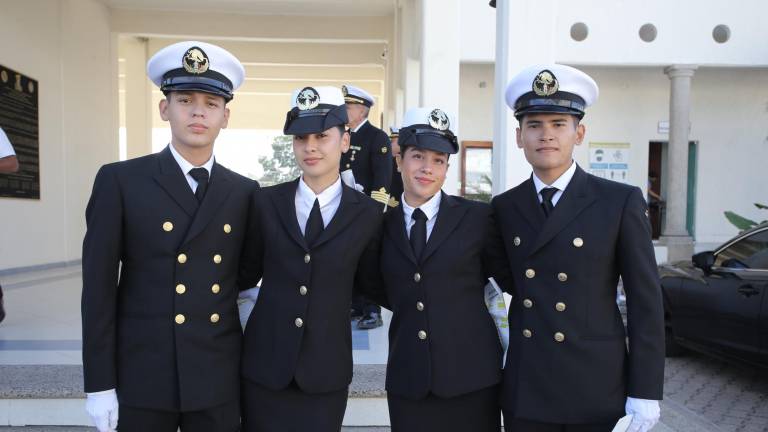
<point>19,120</point>
<point>609,160</point>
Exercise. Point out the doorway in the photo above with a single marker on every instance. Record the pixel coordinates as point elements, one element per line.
<point>658,173</point>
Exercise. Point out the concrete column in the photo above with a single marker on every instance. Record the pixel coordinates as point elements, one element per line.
<point>515,50</point>
<point>439,68</point>
<point>675,235</point>
<point>409,53</point>
<point>138,97</point>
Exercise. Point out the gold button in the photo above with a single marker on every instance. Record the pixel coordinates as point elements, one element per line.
<point>422,334</point>
<point>180,319</point>
<point>303,290</point>
<point>215,288</point>
<point>527,333</point>
<point>578,242</point>
<point>528,303</point>
<point>560,306</point>
<point>227,228</point>
<point>419,306</point>
<point>416,277</point>
<point>562,277</point>
<point>181,289</point>
<point>530,273</point>
<point>299,322</point>
<point>347,165</point>
<point>559,337</point>
<point>167,226</point>
<point>306,259</point>
<point>215,318</point>
<point>217,259</point>
<point>182,258</point>
<point>516,241</point>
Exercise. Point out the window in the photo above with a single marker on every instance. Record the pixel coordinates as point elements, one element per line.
<point>749,252</point>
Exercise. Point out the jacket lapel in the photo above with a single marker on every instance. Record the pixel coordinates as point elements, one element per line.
<point>345,215</point>
<point>285,201</point>
<point>394,222</point>
<point>576,197</point>
<point>526,201</point>
<point>448,218</point>
<point>170,178</point>
<point>218,191</point>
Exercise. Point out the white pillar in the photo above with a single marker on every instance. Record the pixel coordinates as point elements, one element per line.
<point>515,50</point>
<point>439,71</point>
<point>675,234</point>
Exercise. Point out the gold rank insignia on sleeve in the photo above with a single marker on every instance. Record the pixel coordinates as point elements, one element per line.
<point>384,149</point>
<point>381,196</point>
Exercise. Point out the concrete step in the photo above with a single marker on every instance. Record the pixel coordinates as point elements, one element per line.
<point>49,398</point>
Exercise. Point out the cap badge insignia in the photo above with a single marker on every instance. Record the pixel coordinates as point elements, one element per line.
<point>344,90</point>
<point>195,61</point>
<point>439,120</point>
<point>545,83</point>
<point>307,98</point>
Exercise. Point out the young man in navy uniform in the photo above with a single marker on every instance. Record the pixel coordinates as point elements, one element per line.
<point>437,254</point>
<point>311,256</point>
<point>570,236</point>
<point>161,332</point>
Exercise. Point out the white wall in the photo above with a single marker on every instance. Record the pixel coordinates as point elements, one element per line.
<point>476,102</point>
<point>684,31</point>
<point>47,41</point>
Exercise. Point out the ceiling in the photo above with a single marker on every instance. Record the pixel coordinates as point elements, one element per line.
<point>264,7</point>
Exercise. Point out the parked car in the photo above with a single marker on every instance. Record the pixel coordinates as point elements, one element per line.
<point>717,302</point>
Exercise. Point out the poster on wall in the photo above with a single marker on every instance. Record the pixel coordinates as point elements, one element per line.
<point>609,161</point>
<point>19,120</point>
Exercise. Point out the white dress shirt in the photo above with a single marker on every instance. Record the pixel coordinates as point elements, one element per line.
<point>186,167</point>
<point>430,208</point>
<point>329,199</point>
<point>360,125</point>
<point>6,149</point>
<point>561,183</point>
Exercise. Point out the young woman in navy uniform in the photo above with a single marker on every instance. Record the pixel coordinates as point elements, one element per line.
<point>161,331</point>
<point>570,236</point>
<point>438,252</point>
<point>312,255</point>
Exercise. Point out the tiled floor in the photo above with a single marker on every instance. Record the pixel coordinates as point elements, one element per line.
<point>43,321</point>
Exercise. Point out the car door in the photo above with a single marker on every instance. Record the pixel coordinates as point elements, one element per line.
<point>723,309</point>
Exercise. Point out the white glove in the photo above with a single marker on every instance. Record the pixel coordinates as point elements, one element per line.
<point>359,188</point>
<point>251,294</point>
<point>645,414</point>
<point>103,408</point>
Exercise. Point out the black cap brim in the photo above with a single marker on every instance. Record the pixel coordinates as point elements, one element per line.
<point>305,122</point>
<point>426,138</point>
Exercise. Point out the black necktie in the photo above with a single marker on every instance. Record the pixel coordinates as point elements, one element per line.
<point>201,177</point>
<point>418,233</point>
<point>314,226</point>
<point>546,200</point>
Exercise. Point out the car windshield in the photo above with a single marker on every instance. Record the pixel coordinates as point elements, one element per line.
<point>749,252</point>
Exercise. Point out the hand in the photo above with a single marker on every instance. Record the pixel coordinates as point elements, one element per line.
<point>645,414</point>
<point>103,409</point>
<point>359,188</point>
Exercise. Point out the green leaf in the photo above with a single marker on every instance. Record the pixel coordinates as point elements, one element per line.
<point>739,222</point>
<point>761,206</point>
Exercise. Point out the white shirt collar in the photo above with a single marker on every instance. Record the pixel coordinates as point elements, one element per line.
<point>308,195</point>
<point>561,183</point>
<point>360,125</point>
<point>430,208</point>
<point>185,165</point>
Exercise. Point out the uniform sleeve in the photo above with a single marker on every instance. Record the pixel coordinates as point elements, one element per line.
<point>381,165</point>
<point>252,257</point>
<point>495,260</point>
<point>368,278</point>
<point>102,248</point>
<point>645,316</point>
